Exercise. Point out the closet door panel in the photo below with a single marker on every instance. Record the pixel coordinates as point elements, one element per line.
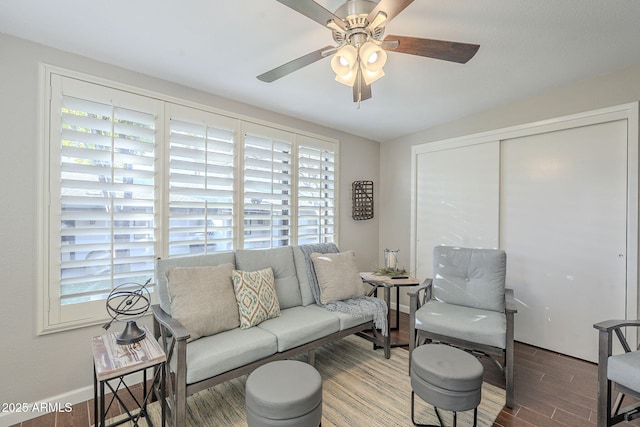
<point>564,230</point>
<point>457,201</point>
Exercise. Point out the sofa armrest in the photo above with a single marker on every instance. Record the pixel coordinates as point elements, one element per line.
<point>173,339</point>
<point>174,327</point>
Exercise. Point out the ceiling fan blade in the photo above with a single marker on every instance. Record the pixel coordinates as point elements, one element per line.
<point>296,64</point>
<point>391,8</point>
<point>314,11</point>
<point>361,90</point>
<point>438,49</point>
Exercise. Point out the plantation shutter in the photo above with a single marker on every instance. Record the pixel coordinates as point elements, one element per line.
<point>267,184</point>
<point>316,191</point>
<point>103,200</point>
<point>201,182</point>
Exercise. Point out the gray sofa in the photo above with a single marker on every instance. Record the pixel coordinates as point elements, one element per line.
<point>301,327</point>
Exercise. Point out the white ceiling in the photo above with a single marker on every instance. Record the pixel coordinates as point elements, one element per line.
<point>220,46</point>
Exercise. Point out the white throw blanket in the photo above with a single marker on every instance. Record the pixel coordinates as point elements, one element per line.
<point>360,307</point>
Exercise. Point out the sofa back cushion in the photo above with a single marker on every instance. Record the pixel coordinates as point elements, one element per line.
<point>187,261</point>
<point>470,277</point>
<point>284,271</point>
<point>203,299</point>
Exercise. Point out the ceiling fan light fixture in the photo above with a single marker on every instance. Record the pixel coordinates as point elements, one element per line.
<point>349,78</point>
<point>371,76</point>
<point>344,64</point>
<point>372,57</point>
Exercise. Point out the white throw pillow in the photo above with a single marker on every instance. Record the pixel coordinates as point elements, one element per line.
<point>202,299</point>
<point>338,276</point>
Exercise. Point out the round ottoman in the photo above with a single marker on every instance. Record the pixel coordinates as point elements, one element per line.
<point>284,393</point>
<point>447,378</point>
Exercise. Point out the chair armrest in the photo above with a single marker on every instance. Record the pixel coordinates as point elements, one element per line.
<point>510,301</point>
<point>425,286</point>
<point>610,325</point>
<point>175,328</point>
<point>414,295</point>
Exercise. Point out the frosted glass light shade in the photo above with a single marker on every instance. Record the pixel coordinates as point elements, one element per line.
<point>344,62</point>
<point>371,76</point>
<point>372,56</point>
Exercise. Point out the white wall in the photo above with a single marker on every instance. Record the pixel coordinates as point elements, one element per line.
<point>34,368</point>
<point>608,90</point>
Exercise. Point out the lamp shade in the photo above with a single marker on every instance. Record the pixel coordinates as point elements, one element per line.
<point>344,64</point>
<point>371,76</point>
<point>372,57</point>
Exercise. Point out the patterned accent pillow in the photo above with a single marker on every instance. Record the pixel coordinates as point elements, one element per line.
<point>256,296</point>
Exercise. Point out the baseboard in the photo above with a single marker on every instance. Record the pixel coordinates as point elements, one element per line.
<point>23,411</point>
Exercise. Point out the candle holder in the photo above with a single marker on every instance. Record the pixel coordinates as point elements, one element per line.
<point>391,259</point>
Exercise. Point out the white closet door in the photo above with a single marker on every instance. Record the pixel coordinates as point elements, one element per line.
<point>457,200</point>
<point>563,226</point>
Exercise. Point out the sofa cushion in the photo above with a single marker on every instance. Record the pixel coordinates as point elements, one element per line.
<point>346,320</point>
<point>187,261</point>
<point>470,324</point>
<point>216,354</point>
<point>284,271</point>
<point>300,325</point>
<point>255,294</point>
<point>202,299</point>
<point>338,276</point>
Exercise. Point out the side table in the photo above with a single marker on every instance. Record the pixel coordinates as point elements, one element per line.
<point>113,362</point>
<point>386,283</point>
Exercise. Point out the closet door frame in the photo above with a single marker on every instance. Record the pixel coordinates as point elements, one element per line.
<point>628,112</point>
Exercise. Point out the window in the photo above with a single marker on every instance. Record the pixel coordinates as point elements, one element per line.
<point>132,177</point>
<point>201,182</point>
<point>101,220</point>
<point>316,191</point>
<point>267,183</point>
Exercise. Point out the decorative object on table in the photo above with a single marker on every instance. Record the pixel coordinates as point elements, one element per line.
<point>362,196</point>
<point>391,265</point>
<point>129,300</point>
<point>391,258</point>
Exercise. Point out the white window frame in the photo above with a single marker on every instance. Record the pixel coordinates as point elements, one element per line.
<point>50,319</point>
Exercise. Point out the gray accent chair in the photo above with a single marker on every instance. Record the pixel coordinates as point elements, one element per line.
<point>623,370</point>
<point>467,305</point>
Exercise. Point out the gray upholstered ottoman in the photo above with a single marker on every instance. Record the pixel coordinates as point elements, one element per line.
<point>446,377</point>
<point>284,393</point>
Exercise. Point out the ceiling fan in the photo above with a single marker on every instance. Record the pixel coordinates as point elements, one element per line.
<point>358,29</point>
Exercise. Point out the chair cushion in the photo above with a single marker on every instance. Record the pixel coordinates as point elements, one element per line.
<point>624,369</point>
<point>470,324</point>
<point>470,277</point>
<point>256,296</point>
<point>284,271</point>
<point>338,276</point>
<point>202,299</point>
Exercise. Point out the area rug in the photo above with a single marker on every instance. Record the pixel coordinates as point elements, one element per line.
<point>360,388</point>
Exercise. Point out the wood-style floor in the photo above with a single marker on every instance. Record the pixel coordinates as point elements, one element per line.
<point>551,390</point>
